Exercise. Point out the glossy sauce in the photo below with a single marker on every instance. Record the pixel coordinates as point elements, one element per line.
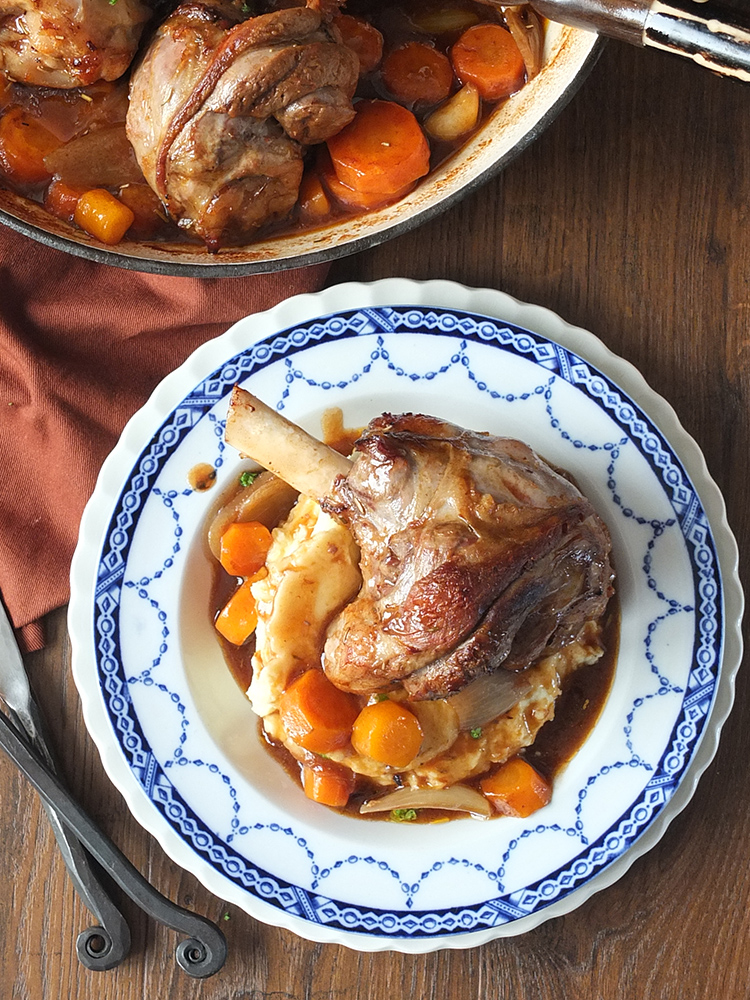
<point>201,477</point>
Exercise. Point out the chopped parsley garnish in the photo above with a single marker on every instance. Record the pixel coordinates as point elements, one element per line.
<point>248,478</point>
<point>403,815</point>
<point>476,732</point>
<point>382,697</point>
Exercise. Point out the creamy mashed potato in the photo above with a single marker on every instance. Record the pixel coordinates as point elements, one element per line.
<point>313,571</point>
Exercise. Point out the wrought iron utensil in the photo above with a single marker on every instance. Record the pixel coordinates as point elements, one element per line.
<point>205,950</point>
<point>105,946</point>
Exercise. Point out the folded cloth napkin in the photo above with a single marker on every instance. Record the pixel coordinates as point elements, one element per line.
<point>82,345</point>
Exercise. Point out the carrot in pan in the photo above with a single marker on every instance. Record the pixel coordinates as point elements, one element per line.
<point>382,151</point>
<point>488,56</point>
<point>417,73</point>
<point>61,199</point>
<point>363,39</point>
<point>358,201</point>
<point>101,215</point>
<point>24,143</point>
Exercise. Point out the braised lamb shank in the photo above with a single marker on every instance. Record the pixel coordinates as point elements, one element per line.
<point>222,108</point>
<point>475,554</point>
<point>69,43</point>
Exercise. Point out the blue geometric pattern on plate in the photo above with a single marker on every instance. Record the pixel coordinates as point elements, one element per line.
<point>380,330</point>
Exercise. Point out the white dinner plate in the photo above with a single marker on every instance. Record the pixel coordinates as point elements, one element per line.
<point>176,734</point>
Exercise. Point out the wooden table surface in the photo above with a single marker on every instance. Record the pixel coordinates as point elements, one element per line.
<point>629,216</point>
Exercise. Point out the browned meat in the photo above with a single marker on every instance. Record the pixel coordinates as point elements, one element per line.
<point>475,555</point>
<point>220,111</point>
<point>69,43</point>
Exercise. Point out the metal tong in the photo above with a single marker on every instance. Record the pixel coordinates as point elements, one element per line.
<point>711,34</point>
<point>82,844</point>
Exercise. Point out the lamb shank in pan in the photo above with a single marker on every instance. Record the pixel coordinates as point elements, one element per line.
<point>69,43</point>
<point>476,556</point>
<point>222,110</point>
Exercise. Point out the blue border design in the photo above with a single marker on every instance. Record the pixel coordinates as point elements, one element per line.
<point>381,325</point>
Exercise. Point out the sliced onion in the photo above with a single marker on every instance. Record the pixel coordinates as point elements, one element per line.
<point>457,798</point>
<point>267,499</point>
<point>488,697</point>
<point>526,29</point>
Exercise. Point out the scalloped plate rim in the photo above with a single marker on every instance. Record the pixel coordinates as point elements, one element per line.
<point>401,292</point>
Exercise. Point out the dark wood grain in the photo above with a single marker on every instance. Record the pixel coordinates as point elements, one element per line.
<point>629,216</point>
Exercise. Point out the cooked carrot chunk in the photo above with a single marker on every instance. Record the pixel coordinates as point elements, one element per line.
<point>239,616</point>
<point>101,215</point>
<point>327,783</point>
<point>62,199</point>
<point>316,714</point>
<point>487,56</point>
<point>416,73</point>
<point>387,732</point>
<point>362,38</point>
<point>359,201</point>
<point>382,151</point>
<point>244,547</point>
<point>516,788</point>
<point>24,143</point>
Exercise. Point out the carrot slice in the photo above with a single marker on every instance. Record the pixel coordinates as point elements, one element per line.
<point>244,547</point>
<point>387,732</point>
<point>416,73</point>
<point>239,616</point>
<point>381,151</point>
<point>487,56</point>
<point>359,201</point>
<point>24,143</point>
<point>100,214</point>
<point>327,783</point>
<point>316,714</point>
<point>362,38</point>
<point>516,788</point>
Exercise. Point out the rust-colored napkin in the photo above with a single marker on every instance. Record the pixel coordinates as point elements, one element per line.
<point>82,346</point>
